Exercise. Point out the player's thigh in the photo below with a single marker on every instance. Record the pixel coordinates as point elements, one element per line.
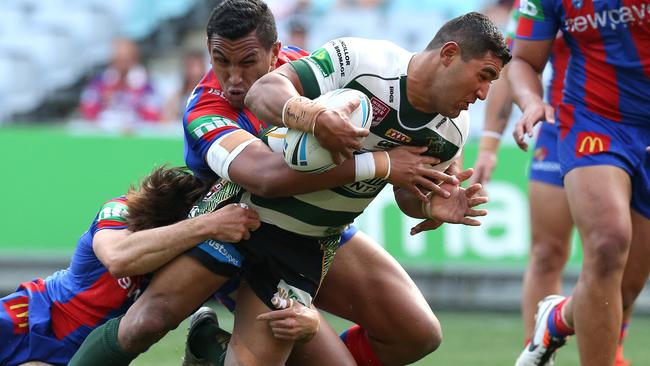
<point>176,290</point>
<point>35,363</point>
<point>252,342</point>
<point>364,281</point>
<point>325,349</point>
<point>550,216</point>
<point>599,197</point>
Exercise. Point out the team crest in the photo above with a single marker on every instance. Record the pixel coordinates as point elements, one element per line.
<point>379,111</point>
<point>436,145</point>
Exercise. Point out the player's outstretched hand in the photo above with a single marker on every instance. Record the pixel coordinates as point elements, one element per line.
<point>335,133</point>
<point>411,170</point>
<point>293,322</point>
<point>457,209</point>
<point>532,114</point>
<point>232,223</point>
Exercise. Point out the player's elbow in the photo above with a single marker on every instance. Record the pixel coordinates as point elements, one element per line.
<point>118,266</point>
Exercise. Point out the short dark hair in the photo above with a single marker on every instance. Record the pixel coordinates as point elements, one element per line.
<point>164,197</point>
<point>234,19</point>
<point>475,34</point>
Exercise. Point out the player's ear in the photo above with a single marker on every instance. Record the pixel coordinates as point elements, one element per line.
<point>275,53</point>
<point>448,51</point>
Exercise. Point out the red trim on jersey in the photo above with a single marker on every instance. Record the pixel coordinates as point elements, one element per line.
<point>566,118</point>
<point>525,27</point>
<point>90,306</point>
<point>18,310</point>
<point>640,35</point>
<point>103,224</point>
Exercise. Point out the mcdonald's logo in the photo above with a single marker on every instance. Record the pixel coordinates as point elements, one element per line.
<point>591,143</point>
<point>17,308</point>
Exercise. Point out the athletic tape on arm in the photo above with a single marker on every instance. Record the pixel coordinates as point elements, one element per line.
<point>225,150</point>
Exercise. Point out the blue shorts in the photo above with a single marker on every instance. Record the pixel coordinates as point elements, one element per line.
<point>545,165</point>
<point>226,293</point>
<point>588,139</point>
<point>25,331</point>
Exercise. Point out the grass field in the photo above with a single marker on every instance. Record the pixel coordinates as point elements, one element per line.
<point>481,339</point>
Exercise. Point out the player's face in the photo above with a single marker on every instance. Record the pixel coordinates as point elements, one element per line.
<point>239,63</point>
<point>467,81</point>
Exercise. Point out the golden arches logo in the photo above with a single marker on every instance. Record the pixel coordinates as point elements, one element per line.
<point>591,145</point>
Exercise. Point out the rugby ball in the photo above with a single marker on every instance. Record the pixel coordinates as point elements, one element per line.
<point>303,153</point>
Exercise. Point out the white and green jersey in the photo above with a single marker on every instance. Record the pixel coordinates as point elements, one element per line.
<point>378,69</point>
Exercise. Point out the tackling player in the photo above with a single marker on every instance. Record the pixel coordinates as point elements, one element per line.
<point>603,121</point>
<point>47,319</point>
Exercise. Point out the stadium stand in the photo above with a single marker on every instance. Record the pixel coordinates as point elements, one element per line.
<point>53,45</point>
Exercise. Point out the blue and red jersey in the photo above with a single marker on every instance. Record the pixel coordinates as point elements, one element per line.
<point>51,318</point>
<point>209,116</point>
<point>609,69</point>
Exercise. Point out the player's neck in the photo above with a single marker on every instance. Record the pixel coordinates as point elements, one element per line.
<point>418,79</point>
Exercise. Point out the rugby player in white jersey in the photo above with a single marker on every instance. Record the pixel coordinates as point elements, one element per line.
<point>415,97</point>
<point>175,291</point>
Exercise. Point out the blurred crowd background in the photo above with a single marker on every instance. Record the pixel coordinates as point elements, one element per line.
<point>127,66</point>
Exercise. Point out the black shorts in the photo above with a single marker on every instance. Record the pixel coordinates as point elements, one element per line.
<point>277,261</point>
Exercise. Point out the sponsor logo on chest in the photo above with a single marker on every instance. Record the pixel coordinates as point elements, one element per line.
<point>631,15</point>
<point>396,135</point>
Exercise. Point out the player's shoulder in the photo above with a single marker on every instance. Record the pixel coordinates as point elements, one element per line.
<point>113,213</point>
<point>373,56</point>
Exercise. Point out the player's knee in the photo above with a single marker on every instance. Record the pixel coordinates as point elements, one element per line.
<point>631,289</point>
<point>423,338</point>
<point>606,251</point>
<point>549,255</point>
<point>150,322</point>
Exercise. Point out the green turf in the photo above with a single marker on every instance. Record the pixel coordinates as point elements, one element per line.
<point>481,339</point>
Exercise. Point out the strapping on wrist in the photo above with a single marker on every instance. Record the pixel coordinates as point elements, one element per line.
<point>300,113</point>
<point>370,165</point>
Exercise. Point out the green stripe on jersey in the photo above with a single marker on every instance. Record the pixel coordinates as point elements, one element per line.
<point>305,212</point>
<point>307,78</point>
<point>205,124</point>
<point>115,211</point>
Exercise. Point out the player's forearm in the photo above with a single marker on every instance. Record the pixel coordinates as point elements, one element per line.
<point>267,97</point>
<point>147,250</point>
<point>274,178</point>
<point>525,83</point>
